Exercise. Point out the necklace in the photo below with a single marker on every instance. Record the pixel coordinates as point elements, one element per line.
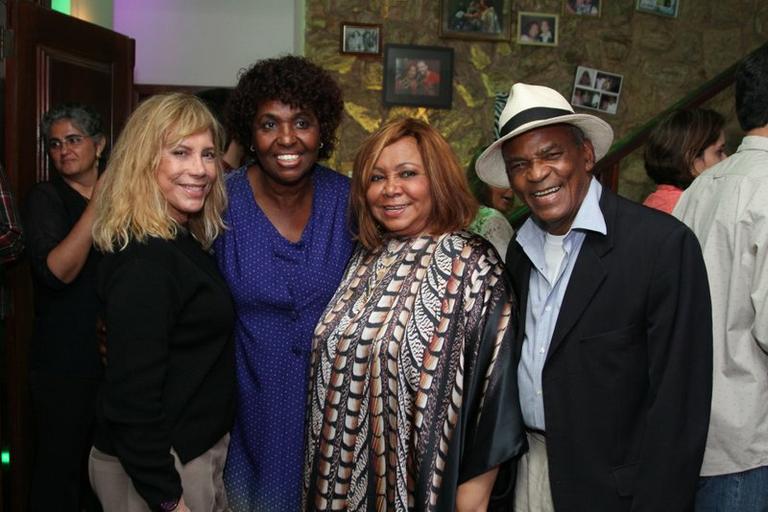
<point>383,263</point>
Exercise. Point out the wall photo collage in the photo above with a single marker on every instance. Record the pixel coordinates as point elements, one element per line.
<point>423,75</point>
<point>594,89</point>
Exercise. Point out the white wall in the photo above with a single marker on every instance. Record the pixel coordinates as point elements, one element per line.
<point>206,42</point>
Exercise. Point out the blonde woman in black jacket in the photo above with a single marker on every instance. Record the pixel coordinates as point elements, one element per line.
<point>169,386</point>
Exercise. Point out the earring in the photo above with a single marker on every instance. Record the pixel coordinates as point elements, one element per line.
<point>321,145</point>
<point>253,149</point>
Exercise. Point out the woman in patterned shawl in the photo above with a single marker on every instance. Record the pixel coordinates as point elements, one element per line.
<point>413,399</point>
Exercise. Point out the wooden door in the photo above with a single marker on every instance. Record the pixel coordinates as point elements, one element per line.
<point>56,58</point>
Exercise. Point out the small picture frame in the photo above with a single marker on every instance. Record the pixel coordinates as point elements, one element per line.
<point>488,20</point>
<point>587,8</point>
<point>537,28</point>
<point>667,8</point>
<point>418,76</point>
<point>594,89</point>
<point>360,38</point>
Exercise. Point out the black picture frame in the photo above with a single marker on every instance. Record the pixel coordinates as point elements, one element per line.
<point>418,76</point>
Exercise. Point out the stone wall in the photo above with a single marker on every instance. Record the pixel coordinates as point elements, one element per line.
<point>660,58</point>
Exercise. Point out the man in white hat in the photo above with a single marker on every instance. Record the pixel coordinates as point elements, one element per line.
<point>615,357</point>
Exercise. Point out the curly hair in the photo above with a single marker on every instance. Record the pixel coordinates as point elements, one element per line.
<point>677,141</point>
<point>294,81</point>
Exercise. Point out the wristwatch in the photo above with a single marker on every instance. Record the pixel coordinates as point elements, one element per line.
<point>169,505</point>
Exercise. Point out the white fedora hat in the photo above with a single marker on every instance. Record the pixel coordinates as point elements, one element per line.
<point>534,106</point>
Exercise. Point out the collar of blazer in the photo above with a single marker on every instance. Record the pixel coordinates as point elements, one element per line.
<point>588,274</point>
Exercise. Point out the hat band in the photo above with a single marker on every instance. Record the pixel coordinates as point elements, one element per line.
<point>531,114</point>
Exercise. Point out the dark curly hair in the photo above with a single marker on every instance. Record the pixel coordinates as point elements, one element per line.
<point>294,81</point>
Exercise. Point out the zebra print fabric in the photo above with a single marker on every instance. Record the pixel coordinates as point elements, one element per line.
<point>411,365</point>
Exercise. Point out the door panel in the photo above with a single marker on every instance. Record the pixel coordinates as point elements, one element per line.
<point>57,59</point>
<point>68,78</point>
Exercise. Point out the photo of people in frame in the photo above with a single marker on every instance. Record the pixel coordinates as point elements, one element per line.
<point>586,78</point>
<point>583,7</point>
<point>594,89</point>
<point>475,19</point>
<point>419,77</point>
<point>606,82</point>
<point>361,39</point>
<point>537,28</point>
<point>662,7</point>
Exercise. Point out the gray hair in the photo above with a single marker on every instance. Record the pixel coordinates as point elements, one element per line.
<point>83,117</point>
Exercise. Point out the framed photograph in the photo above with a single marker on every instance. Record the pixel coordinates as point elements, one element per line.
<point>418,76</point>
<point>476,19</point>
<point>589,8</point>
<point>537,28</point>
<point>661,7</point>
<point>360,38</point>
<point>594,89</point>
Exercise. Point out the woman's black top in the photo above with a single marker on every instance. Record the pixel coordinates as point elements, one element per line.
<point>64,339</point>
<point>170,378</point>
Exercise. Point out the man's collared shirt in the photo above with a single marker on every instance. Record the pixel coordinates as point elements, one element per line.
<point>545,298</point>
<point>727,209</point>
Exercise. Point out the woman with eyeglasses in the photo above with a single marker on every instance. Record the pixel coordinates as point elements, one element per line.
<point>64,365</point>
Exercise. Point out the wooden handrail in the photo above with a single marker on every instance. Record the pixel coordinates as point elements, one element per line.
<point>608,167</point>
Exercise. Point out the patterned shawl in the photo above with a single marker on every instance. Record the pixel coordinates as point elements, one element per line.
<point>413,386</point>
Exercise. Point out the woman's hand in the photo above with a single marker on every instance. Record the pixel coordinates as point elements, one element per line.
<point>66,260</point>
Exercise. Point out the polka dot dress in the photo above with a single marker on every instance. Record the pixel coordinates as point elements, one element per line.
<point>280,289</point>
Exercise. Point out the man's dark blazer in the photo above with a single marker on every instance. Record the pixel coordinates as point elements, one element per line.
<point>628,377</point>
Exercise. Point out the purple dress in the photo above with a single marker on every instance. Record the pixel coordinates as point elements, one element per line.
<point>280,289</point>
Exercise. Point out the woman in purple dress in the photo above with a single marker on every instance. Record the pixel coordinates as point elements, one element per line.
<point>283,255</point>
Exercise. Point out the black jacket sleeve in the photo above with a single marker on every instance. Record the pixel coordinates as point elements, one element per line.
<point>45,225</point>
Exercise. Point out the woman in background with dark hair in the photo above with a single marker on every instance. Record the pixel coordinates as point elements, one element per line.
<point>64,369</point>
<point>680,148</point>
<point>283,256</point>
<point>495,203</point>
<point>216,100</point>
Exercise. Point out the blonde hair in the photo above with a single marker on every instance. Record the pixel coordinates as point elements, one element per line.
<point>453,205</point>
<point>130,205</point>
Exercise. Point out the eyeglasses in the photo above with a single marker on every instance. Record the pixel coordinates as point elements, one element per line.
<point>72,141</point>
